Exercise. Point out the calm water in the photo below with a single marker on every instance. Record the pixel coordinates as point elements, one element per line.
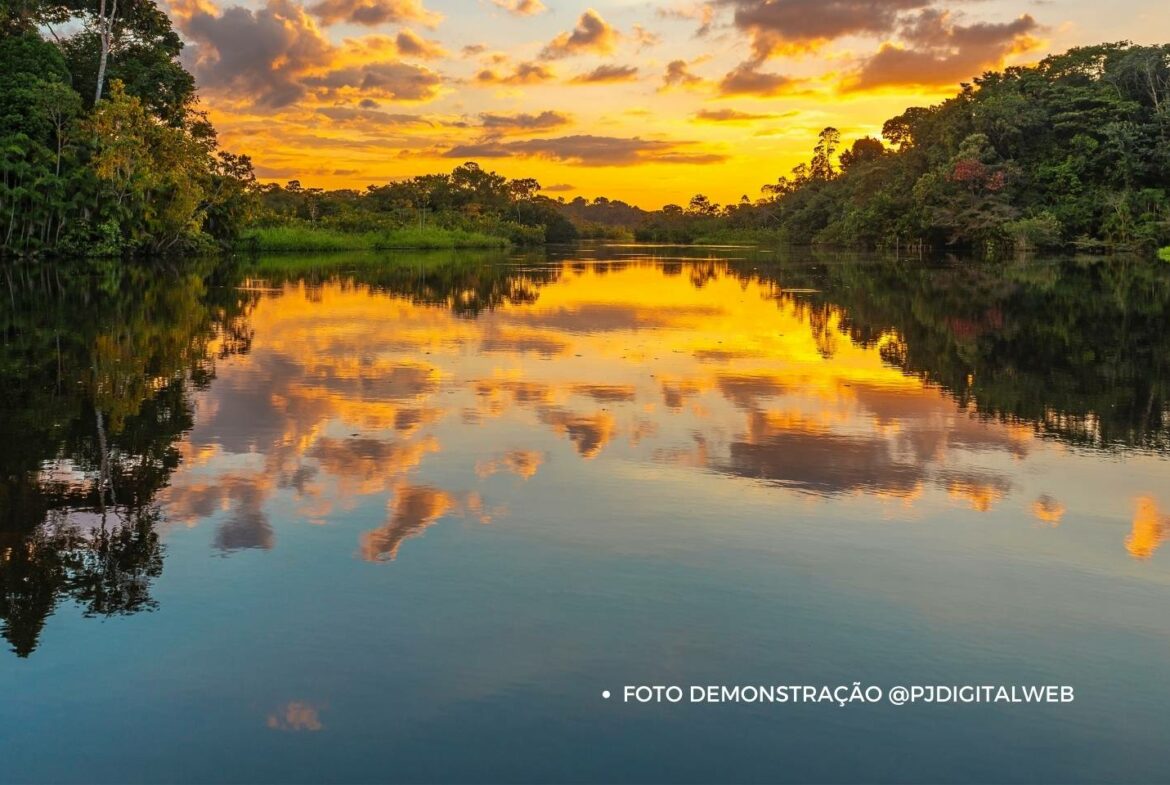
<point>352,524</point>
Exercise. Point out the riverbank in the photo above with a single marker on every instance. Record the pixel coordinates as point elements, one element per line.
<point>281,239</point>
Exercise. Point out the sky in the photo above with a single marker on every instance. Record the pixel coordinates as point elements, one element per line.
<point>646,102</point>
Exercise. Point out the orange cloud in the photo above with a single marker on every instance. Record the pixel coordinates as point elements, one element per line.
<point>592,35</point>
<point>937,52</point>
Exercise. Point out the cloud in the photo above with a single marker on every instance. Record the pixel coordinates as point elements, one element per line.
<point>939,52</point>
<point>254,54</point>
<point>522,74</point>
<point>730,116</point>
<point>645,38</point>
<point>390,80</point>
<point>607,74</point>
<point>703,13</point>
<point>274,56</point>
<point>559,188</point>
<point>591,35</point>
<point>367,116</point>
<point>788,26</point>
<point>522,7</point>
<point>374,12</point>
<point>678,74</point>
<point>589,150</point>
<point>523,122</point>
<point>747,80</point>
<point>411,44</point>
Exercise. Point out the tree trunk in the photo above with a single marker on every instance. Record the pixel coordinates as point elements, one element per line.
<point>106,26</point>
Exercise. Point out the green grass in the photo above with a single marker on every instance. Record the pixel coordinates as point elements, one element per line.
<point>304,238</point>
<point>741,236</point>
<point>1164,254</point>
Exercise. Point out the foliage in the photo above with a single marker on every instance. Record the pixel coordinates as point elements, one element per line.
<point>1075,348</point>
<point>135,172</point>
<point>307,238</point>
<point>1073,150</point>
<point>426,208</point>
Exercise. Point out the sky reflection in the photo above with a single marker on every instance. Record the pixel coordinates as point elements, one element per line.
<point>351,396</point>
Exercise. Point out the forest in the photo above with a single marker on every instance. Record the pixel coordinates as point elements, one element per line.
<point>104,151</point>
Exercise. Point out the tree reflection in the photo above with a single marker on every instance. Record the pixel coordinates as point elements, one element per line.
<point>95,381</point>
<point>1078,349</point>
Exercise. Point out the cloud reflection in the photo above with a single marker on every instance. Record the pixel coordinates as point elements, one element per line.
<point>356,398</point>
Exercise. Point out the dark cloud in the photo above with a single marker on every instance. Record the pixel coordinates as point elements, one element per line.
<point>747,80</point>
<point>591,35</point>
<point>606,74</point>
<point>731,116</point>
<point>523,73</point>
<point>588,150</point>
<point>255,54</point>
<point>267,54</point>
<point>786,25</point>
<point>411,44</point>
<point>678,74</point>
<point>940,52</point>
<point>504,123</point>
<point>557,188</point>
<point>392,80</point>
<point>363,116</point>
<point>373,12</point>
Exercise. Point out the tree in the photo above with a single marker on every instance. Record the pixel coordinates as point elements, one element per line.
<point>863,150</point>
<point>821,167</point>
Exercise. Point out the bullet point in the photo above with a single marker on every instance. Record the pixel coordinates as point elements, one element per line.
<point>605,694</point>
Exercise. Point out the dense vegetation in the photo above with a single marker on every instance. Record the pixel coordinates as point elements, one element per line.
<point>1072,151</point>
<point>103,150</point>
<point>448,208</point>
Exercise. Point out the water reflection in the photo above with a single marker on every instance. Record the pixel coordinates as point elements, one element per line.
<point>96,379</point>
<point>439,390</point>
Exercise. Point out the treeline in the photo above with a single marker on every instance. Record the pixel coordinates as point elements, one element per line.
<point>103,150</point>
<point>469,199</point>
<point>1072,151</point>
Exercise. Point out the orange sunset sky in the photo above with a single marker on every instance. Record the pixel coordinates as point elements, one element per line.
<point>641,101</point>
